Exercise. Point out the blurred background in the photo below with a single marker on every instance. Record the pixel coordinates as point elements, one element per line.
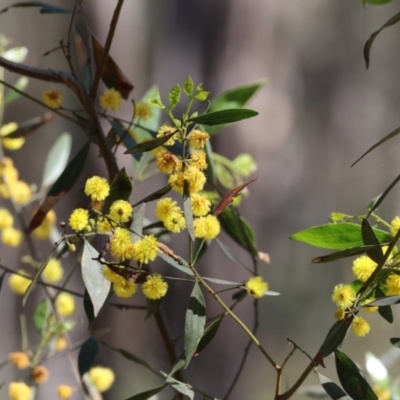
<point>320,110</point>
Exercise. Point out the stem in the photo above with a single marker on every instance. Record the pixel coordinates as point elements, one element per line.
<point>107,46</point>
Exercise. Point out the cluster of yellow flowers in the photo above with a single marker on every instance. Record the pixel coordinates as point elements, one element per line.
<point>10,143</point>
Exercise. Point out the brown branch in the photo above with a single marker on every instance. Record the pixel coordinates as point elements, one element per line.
<point>107,46</point>
<point>77,88</point>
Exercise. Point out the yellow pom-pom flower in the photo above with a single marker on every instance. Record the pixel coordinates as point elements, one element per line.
<point>198,160</point>
<point>256,286</point>
<point>79,219</point>
<point>52,98</point>
<point>195,179</point>
<point>102,378</point>
<point>110,98</point>
<point>155,287</point>
<point>395,226</point>
<point>119,242</point>
<point>39,374</point>
<point>65,304</point>
<point>206,227</point>
<point>103,225</point>
<point>360,326</point>
<point>343,295</point>
<point>363,267</point>
<point>61,343</point>
<point>175,223</point>
<point>64,391</point>
<point>197,139</point>
<point>143,111</point>
<point>112,276</point>
<point>19,284</point>
<point>200,204</point>
<point>53,271</point>
<point>167,162</point>
<point>19,391</point>
<point>167,208</point>
<point>339,314</point>
<point>146,249</point>
<point>124,288</point>
<point>167,130</point>
<point>392,285</point>
<point>121,211</point>
<point>19,359</point>
<point>6,218</point>
<point>44,229</point>
<point>20,192</point>
<point>97,188</point>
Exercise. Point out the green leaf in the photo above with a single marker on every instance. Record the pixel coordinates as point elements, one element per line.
<point>121,189</point>
<point>180,387</point>
<point>228,254</point>
<point>96,284</point>
<point>178,265</point>
<point>209,334</point>
<point>384,311</point>
<point>386,301</point>
<point>224,116</point>
<point>155,195</point>
<point>13,95</point>
<point>210,172</point>
<point>369,238</point>
<point>395,342</point>
<point>152,307</point>
<point>337,255</point>
<point>87,355</point>
<point>2,276</point>
<point>174,96</point>
<point>368,44</point>
<point>132,357</point>
<point>387,137</point>
<point>202,96</point>
<point>337,236</point>
<point>240,295</point>
<point>352,379</point>
<point>335,337</point>
<point>138,221</point>
<point>239,230</point>
<point>245,164</point>
<point>44,7</point>
<point>57,159</point>
<point>148,393</point>
<point>334,391</point>
<point>188,86</point>
<point>149,145</point>
<point>88,307</point>
<point>40,315</point>
<point>156,101</point>
<point>194,322</point>
<point>221,281</point>
<point>377,2</point>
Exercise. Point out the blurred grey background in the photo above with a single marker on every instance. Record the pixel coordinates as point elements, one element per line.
<point>320,110</point>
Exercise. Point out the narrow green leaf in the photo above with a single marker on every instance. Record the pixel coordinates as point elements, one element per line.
<point>179,363</point>
<point>221,281</point>
<point>228,253</point>
<point>210,172</point>
<point>180,387</point>
<point>13,95</point>
<point>149,145</point>
<point>138,221</point>
<point>156,101</point>
<point>175,263</point>
<point>335,337</point>
<point>40,315</point>
<point>155,195</point>
<point>152,307</point>
<point>121,189</point>
<point>88,307</point>
<point>87,355</point>
<point>368,44</point>
<point>369,238</point>
<point>224,116</point>
<point>194,322</point>
<point>124,135</point>
<point>188,86</point>
<point>334,391</point>
<point>351,378</point>
<point>174,96</point>
<point>395,342</point>
<point>2,276</point>
<point>337,255</point>
<point>96,284</point>
<point>240,295</point>
<point>384,311</point>
<point>387,137</point>
<point>57,159</point>
<point>148,393</point>
<point>239,230</point>
<point>44,7</point>
<point>209,334</point>
<point>132,357</point>
<point>337,236</point>
<point>386,301</point>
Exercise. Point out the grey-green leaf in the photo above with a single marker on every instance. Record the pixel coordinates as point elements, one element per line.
<point>40,315</point>
<point>224,116</point>
<point>95,282</point>
<point>87,355</point>
<point>148,393</point>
